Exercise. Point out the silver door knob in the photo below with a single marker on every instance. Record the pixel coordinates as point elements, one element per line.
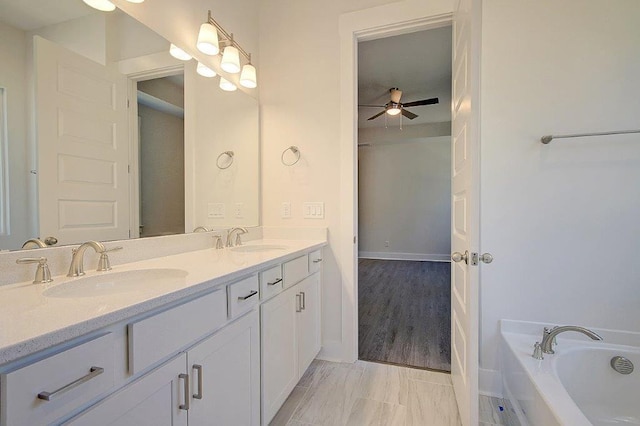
<point>486,258</point>
<point>456,256</point>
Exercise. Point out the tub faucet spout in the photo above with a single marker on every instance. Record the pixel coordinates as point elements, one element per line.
<point>549,336</point>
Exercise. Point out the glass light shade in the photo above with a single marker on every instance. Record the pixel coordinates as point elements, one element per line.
<point>205,71</point>
<point>135,1</point>
<point>393,110</point>
<point>208,40</point>
<point>248,77</point>
<point>230,60</point>
<point>178,53</point>
<point>226,85</point>
<point>103,5</point>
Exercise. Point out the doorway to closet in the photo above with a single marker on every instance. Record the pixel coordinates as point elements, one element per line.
<point>404,199</point>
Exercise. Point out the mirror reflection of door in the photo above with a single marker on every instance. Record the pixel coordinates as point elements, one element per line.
<point>161,155</point>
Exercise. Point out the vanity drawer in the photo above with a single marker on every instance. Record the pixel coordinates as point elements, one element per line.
<point>155,338</point>
<point>243,296</point>
<point>68,380</point>
<point>296,270</point>
<point>315,261</point>
<point>270,282</point>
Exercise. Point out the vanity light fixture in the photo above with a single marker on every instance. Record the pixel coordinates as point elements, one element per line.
<point>230,60</point>
<point>103,5</point>
<point>226,85</point>
<point>231,56</point>
<point>205,71</point>
<point>248,76</point>
<point>178,53</point>
<point>208,40</point>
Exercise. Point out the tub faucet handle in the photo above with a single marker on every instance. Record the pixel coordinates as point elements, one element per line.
<point>537,351</point>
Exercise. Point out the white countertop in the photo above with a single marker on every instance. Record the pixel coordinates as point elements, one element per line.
<point>30,321</point>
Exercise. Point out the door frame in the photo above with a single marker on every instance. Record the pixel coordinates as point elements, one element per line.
<point>384,21</point>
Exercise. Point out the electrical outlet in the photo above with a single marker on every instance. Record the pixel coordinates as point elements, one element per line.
<point>386,243</point>
<point>239,210</point>
<point>285,211</point>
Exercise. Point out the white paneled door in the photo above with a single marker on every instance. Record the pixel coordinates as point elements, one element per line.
<point>83,152</point>
<point>465,210</point>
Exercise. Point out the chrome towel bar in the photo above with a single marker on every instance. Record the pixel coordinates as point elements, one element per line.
<point>546,139</point>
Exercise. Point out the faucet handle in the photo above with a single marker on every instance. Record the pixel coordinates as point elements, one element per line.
<point>537,351</point>
<point>219,244</point>
<point>103,263</point>
<point>43,275</point>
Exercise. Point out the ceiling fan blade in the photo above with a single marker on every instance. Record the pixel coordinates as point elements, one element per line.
<point>430,101</point>
<point>372,106</point>
<point>377,115</point>
<point>408,114</point>
<point>396,94</point>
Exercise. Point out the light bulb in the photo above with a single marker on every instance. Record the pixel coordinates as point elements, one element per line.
<point>248,77</point>
<point>135,1</point>
<point>230,60</point>
<point>208,40</point>
<point>226,85</point>
<point>205,71</point>
<point>178,53</point>
<point>103,5</point>
<point>394,110</point>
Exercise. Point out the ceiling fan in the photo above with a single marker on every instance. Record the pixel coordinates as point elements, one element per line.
<point>395,107</point>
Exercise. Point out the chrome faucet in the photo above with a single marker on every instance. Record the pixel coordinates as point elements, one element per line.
<point>238,240</point>
<point>77,261</point>
<point>201,229</point>
<point>549,336</point>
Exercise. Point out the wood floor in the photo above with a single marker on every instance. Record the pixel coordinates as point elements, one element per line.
<point>405,313</point>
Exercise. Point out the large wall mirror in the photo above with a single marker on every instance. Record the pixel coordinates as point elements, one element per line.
<point>107,137</point>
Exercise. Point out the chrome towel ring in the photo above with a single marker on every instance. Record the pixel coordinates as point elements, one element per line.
<point>295,151</point>
<point>229,154</point>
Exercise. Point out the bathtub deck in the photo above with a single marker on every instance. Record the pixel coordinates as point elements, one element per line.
<point>491,414</point>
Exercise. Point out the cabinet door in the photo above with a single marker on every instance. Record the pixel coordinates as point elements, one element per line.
<point>225,376</point>
<point>279,351</point>
<point>154,400</point>
<point>308,321</point>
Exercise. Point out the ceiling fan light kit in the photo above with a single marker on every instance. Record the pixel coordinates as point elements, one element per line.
<point>395,107</point>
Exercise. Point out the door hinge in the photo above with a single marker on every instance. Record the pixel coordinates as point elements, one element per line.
<point>128,168</point>
<point>128,103</point>
<point>355,239</point>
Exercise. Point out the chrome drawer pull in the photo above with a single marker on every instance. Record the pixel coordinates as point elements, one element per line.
<point>185,406</point>
<point>298,305</point>
<point>50,396</point>
<point>279,280</point>
<point>317,260</point>
<point>303,305</point>
<point>253,293</point>
<point>198,368</point>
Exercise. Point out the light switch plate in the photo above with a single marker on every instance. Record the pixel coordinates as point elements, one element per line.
<point>216,210</point>
<point>285,211</point>
<point>313,210</point>
<point>238,210</point>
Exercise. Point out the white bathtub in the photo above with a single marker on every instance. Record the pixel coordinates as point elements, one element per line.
<point>575,386</point>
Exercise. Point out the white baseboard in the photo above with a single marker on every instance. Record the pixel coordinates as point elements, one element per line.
<point>332,350</point>
<point>490,382</point>
<point>404,256</point>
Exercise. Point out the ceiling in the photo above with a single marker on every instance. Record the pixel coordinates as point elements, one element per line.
<point>28,15</point>
<point>418,63</point>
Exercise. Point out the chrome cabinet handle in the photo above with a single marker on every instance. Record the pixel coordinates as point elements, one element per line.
<point>50,396</point>
<point>456,256</point>
<point>253,293</point>
<point>278,280</point>
<point>317,260</point>
<point>198,368</point>
<point>298,305</point>
<point>303,305</point>
<point>185,377</point>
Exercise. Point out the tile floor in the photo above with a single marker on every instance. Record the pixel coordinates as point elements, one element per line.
<point>366,393</point>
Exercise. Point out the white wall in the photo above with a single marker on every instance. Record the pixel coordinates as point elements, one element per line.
<point>405,198</point>
<point>561,220</point>
<point>13,79</point>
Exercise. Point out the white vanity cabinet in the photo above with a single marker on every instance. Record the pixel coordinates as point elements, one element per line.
<point>291,335</point>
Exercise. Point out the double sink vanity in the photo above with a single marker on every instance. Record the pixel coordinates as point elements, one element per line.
<point>211,336</point>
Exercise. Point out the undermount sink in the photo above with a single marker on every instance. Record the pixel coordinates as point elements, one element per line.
<point>111,283</point>
<point>258,248</point>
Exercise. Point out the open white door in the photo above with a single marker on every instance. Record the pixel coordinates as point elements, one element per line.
<point>83,154</point>
<point>465,210</point>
